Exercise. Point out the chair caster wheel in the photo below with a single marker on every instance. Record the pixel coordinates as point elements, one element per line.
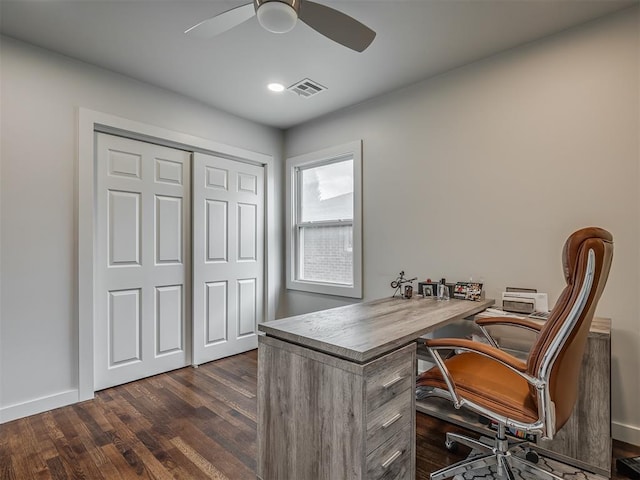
<point>532,456</point>
<point>451,446</point>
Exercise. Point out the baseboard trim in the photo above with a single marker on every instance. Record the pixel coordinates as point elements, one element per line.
<point>626,433</point>
<point>37,405</point>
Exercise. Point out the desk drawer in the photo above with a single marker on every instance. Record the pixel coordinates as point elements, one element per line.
<point>388,376</point>
<point>388,419</point>
<point>392,460</point>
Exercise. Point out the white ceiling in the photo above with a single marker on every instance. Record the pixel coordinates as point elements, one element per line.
<point>416,39</point>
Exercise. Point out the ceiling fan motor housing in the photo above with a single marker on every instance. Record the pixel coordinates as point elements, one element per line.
<point>277,16</point>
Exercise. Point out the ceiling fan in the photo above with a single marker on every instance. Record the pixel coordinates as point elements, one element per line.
<point>280,16</point>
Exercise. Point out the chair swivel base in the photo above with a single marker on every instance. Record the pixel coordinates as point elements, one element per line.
<point>501,455</point>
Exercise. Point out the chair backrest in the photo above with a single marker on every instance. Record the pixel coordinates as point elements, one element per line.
<point>557,353</point>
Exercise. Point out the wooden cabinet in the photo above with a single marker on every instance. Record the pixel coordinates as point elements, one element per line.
<point>336,389</point>
<point>326,418</point>
<point>585,440</point>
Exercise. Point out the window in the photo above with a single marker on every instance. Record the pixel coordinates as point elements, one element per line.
<point>324,241</point>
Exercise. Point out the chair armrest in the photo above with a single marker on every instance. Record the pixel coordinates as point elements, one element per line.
<point>509,321</point>
<point>480,348</point>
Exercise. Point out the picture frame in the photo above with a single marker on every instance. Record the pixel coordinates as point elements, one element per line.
<point>468,291</point>
<point>427,290</point>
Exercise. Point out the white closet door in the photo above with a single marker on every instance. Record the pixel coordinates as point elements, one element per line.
<point>143,250</point>
<point>228,256</point>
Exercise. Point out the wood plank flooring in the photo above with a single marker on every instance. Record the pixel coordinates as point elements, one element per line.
<point>192,423</point>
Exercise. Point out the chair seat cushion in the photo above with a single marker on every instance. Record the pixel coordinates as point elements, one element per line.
<point>487,383</point>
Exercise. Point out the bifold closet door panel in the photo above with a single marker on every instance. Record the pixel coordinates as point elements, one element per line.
<point>228,256</point>
<point>143,271</point>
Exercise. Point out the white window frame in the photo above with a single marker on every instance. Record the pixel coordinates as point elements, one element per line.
<point>352,150</point>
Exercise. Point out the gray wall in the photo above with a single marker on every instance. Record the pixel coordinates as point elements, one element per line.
<point>40,94</point>
<point>484,171</point>
<point>480,172</point>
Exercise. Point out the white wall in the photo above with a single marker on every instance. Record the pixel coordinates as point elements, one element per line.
<point>484,171</point>
<point>40,93</point>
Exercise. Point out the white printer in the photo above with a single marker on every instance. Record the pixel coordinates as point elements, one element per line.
<point>524,302</point>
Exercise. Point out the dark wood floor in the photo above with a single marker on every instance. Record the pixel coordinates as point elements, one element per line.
<point>187,424</point>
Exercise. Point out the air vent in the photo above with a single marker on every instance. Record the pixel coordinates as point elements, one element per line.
<point>306,88</point>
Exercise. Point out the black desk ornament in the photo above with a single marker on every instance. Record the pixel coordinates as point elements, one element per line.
<point>399,281</point>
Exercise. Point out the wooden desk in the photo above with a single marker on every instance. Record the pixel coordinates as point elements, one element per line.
<point>336,389</point>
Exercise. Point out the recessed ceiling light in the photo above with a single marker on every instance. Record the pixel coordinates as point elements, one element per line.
<point>275,87</point>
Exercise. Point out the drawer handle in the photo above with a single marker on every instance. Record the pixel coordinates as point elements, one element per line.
<point>392,459</point>
<point>392,382</point>
<point>392,420</point>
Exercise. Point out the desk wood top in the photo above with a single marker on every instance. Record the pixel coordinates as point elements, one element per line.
<point>600,326</point>
<point>364,331</point>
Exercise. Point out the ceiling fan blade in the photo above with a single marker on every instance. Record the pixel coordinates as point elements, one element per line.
<point>222,22</point>
<point>337,26</point>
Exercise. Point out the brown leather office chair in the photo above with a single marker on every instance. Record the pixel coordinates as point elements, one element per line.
<point>536,396</point>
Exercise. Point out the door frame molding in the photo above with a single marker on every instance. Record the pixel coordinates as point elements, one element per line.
<point>91,122</point>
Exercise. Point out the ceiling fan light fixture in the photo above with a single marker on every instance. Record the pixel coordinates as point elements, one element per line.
<point>277,17</point>
<point>280,16</point>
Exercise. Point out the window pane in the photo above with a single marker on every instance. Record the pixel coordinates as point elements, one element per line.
<point>327,192</point>
<point>327,254</point>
